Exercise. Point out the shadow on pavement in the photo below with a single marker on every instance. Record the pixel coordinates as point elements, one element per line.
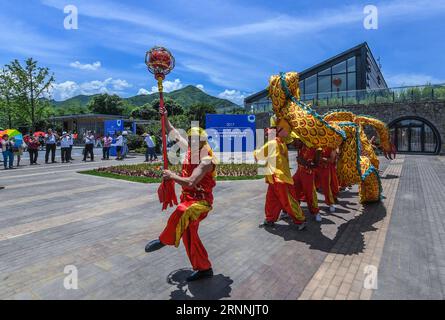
<point>215,288</point>
<point>315,238</point>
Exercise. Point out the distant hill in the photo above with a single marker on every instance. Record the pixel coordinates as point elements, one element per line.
<point>186,97</point>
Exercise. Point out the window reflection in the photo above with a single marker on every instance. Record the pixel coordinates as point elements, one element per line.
<point>339,68</point>
<point>351,64</point>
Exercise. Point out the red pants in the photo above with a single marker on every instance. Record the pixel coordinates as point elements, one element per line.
<point>304,183</point>
<point>281,196</point>
<point>325,179</point>
<point>184,222</point>
<point>334,181</point>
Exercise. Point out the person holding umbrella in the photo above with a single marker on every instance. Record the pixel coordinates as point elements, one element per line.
<point>8,155</point>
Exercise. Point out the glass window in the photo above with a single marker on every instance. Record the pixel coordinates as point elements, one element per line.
<point>339,68</point>
<point>311,85</point>
<point>301,87</point>
<point>351,64</point>
<point>352,85</point>
<point>324,84</point>
<point>325,72</point>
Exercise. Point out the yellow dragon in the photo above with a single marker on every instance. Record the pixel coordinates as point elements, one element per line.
<point>358,163</point>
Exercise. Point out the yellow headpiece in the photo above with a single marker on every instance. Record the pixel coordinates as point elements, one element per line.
<point>275,122</point>
<point>197,131</point>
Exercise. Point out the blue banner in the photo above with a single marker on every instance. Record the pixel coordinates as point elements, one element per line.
<point>112,127</point>
<point>231,132</point>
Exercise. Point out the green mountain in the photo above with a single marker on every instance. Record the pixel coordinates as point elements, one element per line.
<point>186,97</point>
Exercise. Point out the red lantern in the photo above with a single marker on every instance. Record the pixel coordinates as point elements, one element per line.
<point>159,61</point>
<point>337,82</point>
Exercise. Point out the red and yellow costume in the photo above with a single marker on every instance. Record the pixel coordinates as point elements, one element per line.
<point>194,206</point>
<point>280,193</point>
<point>304,179</point>
<point>326,176</point>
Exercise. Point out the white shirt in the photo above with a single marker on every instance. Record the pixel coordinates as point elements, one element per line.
<point>89,139</point>
<point>50,139</point>
<point>65,142</point>
<point>119,141</point>
<point>149,142</point>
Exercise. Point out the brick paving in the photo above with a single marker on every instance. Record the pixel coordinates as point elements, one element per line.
<point>101,226</point>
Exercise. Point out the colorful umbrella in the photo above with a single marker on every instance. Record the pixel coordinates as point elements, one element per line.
<point>39,134</point>
<point>10,132</point>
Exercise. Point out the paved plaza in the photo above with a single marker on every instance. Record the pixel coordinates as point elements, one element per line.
<point>52,217</point>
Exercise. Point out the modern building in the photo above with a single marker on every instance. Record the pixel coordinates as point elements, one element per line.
<point>347,74</point>
<point>81,123</point>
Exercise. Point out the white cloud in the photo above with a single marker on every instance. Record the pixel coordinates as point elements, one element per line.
<point>411,79</point>
<point>88,66</point>
<point>64,90</point>
<point>143,91</point>
<point>233,95</point>
<point>200,87</point>
<point>68,89</point>
<point>168,86</point>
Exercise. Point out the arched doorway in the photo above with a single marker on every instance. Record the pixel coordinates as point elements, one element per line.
<point>415,135</point>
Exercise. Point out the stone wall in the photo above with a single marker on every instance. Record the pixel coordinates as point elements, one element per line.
<point>433,111</point>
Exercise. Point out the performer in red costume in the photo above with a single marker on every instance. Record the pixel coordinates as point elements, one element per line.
<point>325,176</point>
<point>197,181</point>
<point>304,178</point>
<point>280,192</point>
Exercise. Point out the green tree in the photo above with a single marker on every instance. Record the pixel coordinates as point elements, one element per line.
<point>7,99</point>
<point>106,104</point>
<point>173,108</point>
<point>180,121</point>
<point>145,112</point>
<point>31,84</point>
<point>198,112</point>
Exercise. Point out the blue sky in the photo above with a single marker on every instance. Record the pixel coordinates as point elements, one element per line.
<point>227,48</point>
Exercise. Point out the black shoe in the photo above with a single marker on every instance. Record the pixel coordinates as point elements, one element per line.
<point>154,245</point>
<point>268,223</point>
<point>200,274</point>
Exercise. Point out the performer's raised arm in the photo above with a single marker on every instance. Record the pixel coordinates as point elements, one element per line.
<point>170,128</point>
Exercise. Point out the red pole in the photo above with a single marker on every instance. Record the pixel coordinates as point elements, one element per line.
<point>163,122</point>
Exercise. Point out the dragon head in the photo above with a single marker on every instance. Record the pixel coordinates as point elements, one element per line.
<point>281,87</point>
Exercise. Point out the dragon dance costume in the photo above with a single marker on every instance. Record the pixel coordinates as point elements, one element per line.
<point>194,206</point>
<point>280,191</point>
<point>326,177</point>
<point>304,179</point>
<point>357,161</point>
